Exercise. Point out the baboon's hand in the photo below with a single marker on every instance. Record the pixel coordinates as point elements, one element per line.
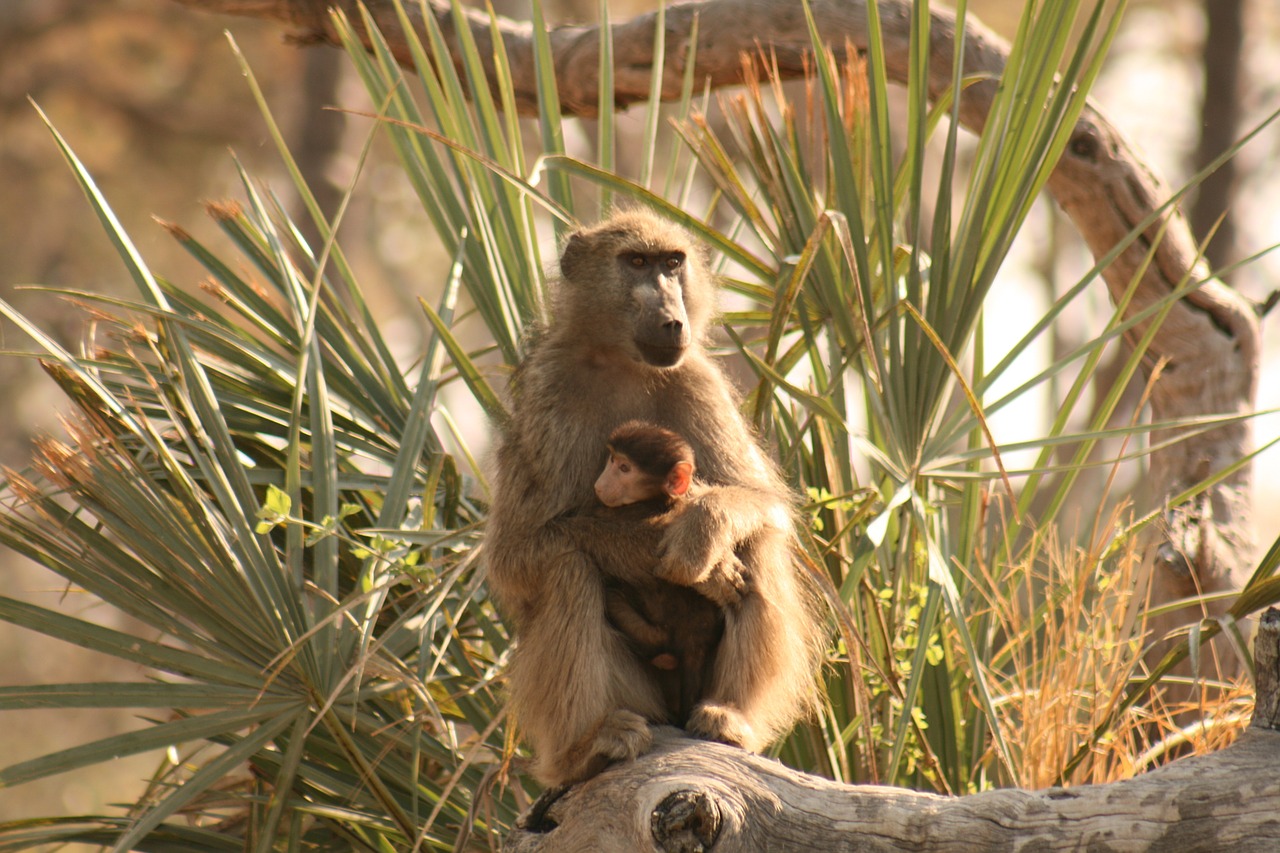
<point>695,543</point>
<point>725,584</point>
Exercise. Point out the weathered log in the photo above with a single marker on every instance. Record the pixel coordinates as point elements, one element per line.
<point>1208,345</point>
<point>690,795</point>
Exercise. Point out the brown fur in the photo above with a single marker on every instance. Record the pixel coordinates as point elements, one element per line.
<point>582,698</point>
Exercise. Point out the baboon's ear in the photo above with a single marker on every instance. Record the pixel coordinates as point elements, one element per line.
<point>704,253</point>
<point>679,478</point>
<point>576,251</point>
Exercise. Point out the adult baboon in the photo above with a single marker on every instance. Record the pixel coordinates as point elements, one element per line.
<point>625,342</point>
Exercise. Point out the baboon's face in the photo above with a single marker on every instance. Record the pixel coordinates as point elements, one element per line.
<point>656,283</point>
<point>637,286</point>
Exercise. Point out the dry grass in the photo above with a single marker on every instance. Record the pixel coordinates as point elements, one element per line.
<point>1070,637</point>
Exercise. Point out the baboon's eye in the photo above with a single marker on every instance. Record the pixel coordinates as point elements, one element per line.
<point>674,260</point>
<point>636,260</point>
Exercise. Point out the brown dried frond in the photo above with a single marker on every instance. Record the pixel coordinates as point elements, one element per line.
<point>95,311</point>
<point>856,89</point>
<point>222,211</point>
<point>138,334</point>
<point>214,288</point>
<point>760,68</point>
<point>58,462</point>
<point>26,491</point>
<point>86,399</point>
<point>175,230</point>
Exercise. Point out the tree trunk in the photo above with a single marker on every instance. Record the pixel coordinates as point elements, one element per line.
<point>1221,59</point>
<point>1207,348</point>
<point>691,795</point>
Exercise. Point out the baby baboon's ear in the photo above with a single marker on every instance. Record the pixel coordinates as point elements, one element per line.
<point>679,478</point>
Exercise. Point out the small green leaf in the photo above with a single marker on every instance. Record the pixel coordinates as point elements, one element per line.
<point>278,501</point>
<point>274,510</point>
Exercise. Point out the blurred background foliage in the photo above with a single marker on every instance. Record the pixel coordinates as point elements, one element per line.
<point>152,97</point>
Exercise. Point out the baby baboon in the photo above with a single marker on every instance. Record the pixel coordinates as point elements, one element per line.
<point>625,342</point>
<point>675,629</point>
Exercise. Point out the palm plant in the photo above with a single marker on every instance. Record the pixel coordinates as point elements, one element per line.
<point>265,491</point>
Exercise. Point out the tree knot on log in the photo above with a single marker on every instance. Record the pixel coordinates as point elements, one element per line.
<point>685,822</point>
<point>538,820</point>
<point>1186,553</point>
<point>1085,144</point>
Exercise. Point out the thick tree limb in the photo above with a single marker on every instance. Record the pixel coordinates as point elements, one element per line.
<point>1208,345</point>
<point>690,795</point>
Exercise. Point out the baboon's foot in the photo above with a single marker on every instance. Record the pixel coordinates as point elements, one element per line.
<point>619,736</point>
<point>722,723</point>
<point>623,735</point>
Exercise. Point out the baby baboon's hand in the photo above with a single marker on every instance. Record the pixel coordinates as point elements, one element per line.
<point>693,546</point>
<point>725,584</point>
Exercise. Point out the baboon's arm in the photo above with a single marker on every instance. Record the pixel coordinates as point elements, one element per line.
<point>625,548</point>
<point>712,525</point>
